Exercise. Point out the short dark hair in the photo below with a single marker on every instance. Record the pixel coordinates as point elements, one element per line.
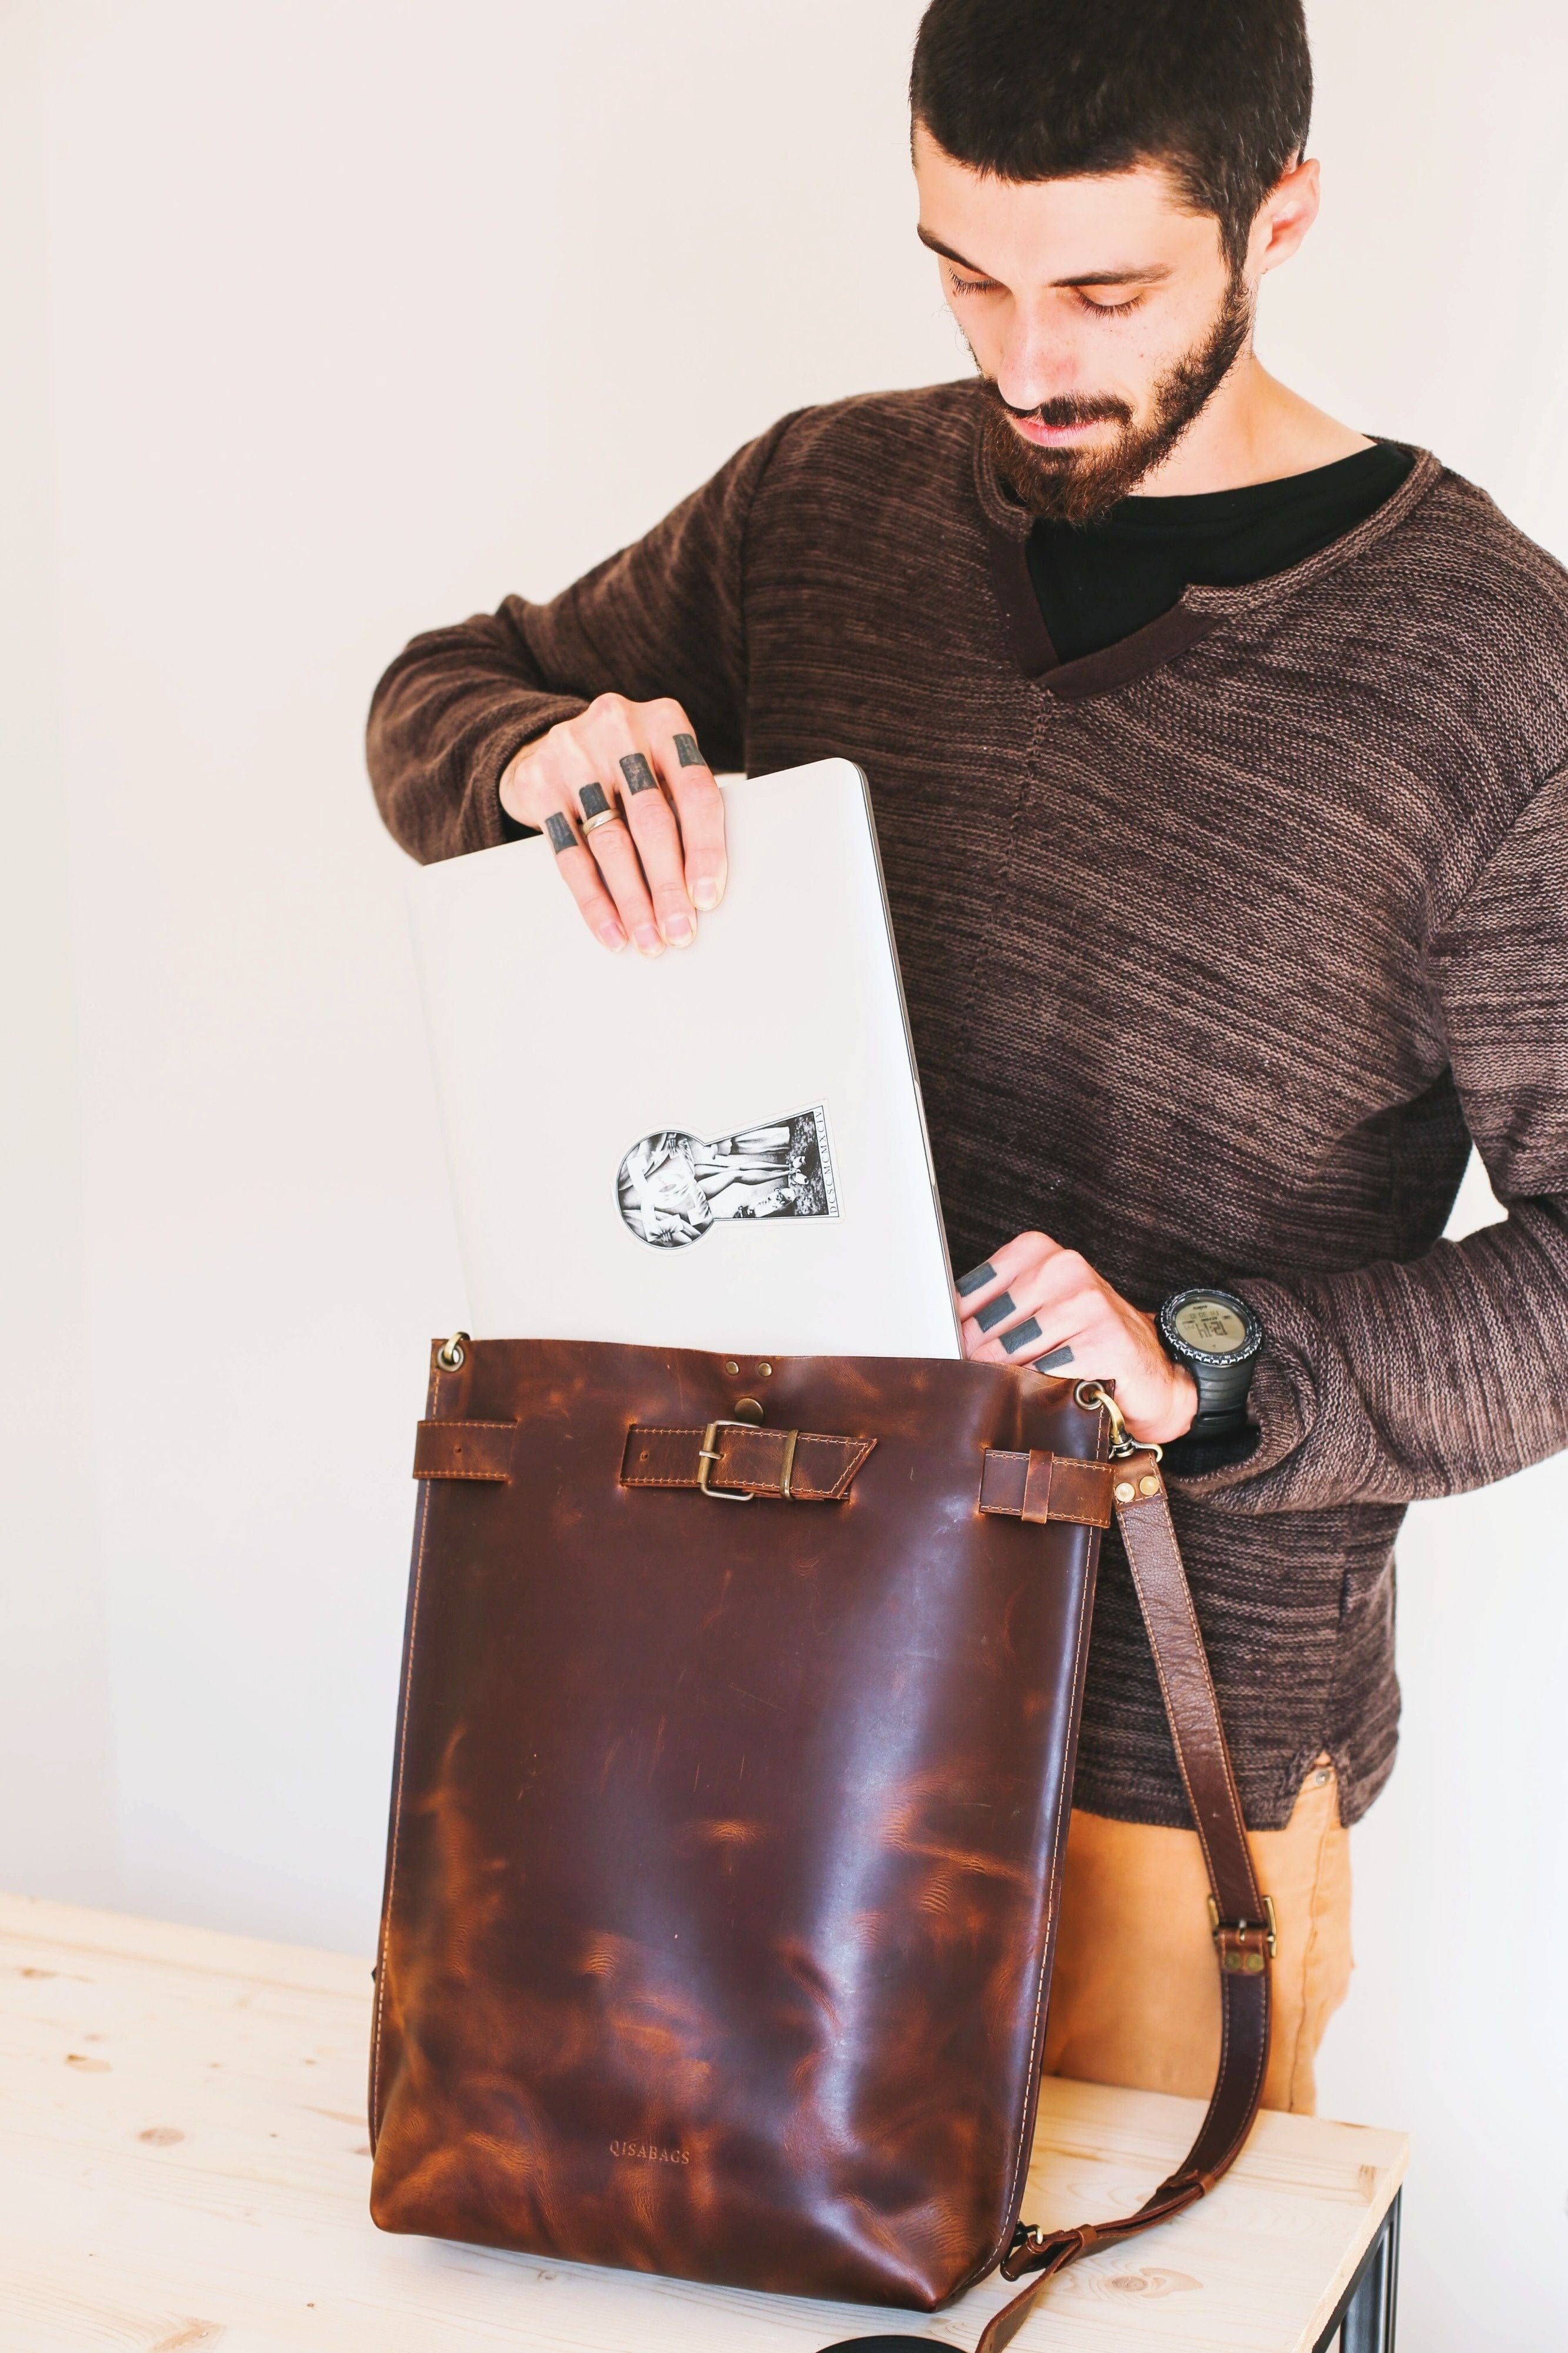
<point>1219,92</point>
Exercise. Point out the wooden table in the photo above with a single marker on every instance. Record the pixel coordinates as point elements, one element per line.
<point>184,2163</point>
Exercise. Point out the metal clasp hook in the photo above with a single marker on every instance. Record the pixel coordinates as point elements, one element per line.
<point>1089,1394</point>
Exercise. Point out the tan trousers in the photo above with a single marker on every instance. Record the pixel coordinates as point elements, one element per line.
<point>1135,1991</point>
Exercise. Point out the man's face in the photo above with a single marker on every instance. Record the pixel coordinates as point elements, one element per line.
<point>1102,314</point>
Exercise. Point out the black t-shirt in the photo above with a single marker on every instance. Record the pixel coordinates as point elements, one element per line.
<point>1100,582</point>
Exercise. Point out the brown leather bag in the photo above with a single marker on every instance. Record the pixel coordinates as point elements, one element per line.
<point>733,1778</point>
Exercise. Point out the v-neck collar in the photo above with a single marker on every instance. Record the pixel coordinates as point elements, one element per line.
<point>1196,613</point>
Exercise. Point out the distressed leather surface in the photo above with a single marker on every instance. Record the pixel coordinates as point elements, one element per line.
<point>726,1837</point>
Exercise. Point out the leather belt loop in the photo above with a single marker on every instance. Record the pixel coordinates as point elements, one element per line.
<point>1036,1503</point>
<point>1041,1487</point>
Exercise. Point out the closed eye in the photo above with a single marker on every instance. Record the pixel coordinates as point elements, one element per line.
<point>1108,310</point>
<point>959,284</point>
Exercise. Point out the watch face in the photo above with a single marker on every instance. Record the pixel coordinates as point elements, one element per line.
<point>1211,1324</point>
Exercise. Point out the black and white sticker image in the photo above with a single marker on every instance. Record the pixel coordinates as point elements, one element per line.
<point>673,1186</point>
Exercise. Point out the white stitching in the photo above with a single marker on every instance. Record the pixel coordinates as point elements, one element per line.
<point>450,1422</point>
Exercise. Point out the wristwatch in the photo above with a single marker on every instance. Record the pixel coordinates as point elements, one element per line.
<point>1219,1339</point>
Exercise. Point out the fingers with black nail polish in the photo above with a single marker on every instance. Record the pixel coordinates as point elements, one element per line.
<point>996,1311</point>
<point>975,1280</point>
<point>586,886</point>
<point>1021,1335</point>
<point>698,805</point>
<point>656,834</point>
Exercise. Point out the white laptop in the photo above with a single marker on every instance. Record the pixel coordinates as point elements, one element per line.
<point>722,1148</point>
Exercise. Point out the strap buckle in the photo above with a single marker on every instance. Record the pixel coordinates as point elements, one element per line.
<point>1241,1944</point>
<point>708,1455</point>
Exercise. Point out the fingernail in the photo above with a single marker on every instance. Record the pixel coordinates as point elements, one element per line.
<point>1021,1335</point>
<point>1055,1361</point>
<point>705,895</point>
<point>649,940</point>
<point>996,1311</point>
<point>677,932</point>
<point>975,1280</point>
<point>613,936</point>
<point>639,776</point>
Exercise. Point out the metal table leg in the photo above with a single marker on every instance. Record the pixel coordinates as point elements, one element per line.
<point>1365,2321</point>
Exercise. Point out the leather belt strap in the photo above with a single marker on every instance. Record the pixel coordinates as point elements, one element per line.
<point>1041,1487</point>
<point>732,1459</point>
<point>1243,1938</point>
<point>464,1449</point>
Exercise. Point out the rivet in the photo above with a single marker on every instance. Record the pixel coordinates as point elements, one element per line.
<point>1125,1491</point>
<point>1254,1965</point>
<point>765,1370</point>
<point>731,1366</point>
<point>748,1408</point>
<point>1149,1486</point>
<point>1233,1962</point>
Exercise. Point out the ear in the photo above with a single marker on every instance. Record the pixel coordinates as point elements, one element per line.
<point>1284,217</point>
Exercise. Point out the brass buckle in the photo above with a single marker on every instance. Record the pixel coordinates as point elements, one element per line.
<point>1218,1930</point>
<point>707,1454</point>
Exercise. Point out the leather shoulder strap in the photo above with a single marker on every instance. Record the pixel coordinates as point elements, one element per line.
<point>1243,1931</point>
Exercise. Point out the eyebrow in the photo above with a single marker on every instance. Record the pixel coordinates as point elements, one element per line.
<point>1153,276</point>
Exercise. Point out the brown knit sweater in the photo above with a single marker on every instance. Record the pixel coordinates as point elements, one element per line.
<point>1219,947</point>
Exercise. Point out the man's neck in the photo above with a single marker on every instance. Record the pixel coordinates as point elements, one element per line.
<point>1254,429</point>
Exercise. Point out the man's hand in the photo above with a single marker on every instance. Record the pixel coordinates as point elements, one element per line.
<point>1034,1302</point>
<point>659,856</point>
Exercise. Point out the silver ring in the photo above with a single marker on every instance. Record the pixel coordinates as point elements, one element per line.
<point>606,817</point>
<point>451,1353</point>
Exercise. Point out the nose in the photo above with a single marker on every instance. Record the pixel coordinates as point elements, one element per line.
<point>1033,366</point>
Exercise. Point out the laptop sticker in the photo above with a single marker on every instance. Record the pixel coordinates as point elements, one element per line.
<point>674,1187</point>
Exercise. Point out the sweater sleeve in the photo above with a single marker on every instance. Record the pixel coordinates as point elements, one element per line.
<point>1400,1381</point>
<point>665,617</point>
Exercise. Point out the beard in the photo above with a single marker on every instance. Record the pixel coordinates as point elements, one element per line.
<point>1081,486</point>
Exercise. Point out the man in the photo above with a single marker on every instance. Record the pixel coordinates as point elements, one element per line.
<point>1220,760</point>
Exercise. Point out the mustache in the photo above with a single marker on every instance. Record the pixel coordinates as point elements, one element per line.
<point>1071,408</point>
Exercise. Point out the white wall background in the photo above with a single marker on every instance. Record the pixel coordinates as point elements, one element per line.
<point>330,320</point>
